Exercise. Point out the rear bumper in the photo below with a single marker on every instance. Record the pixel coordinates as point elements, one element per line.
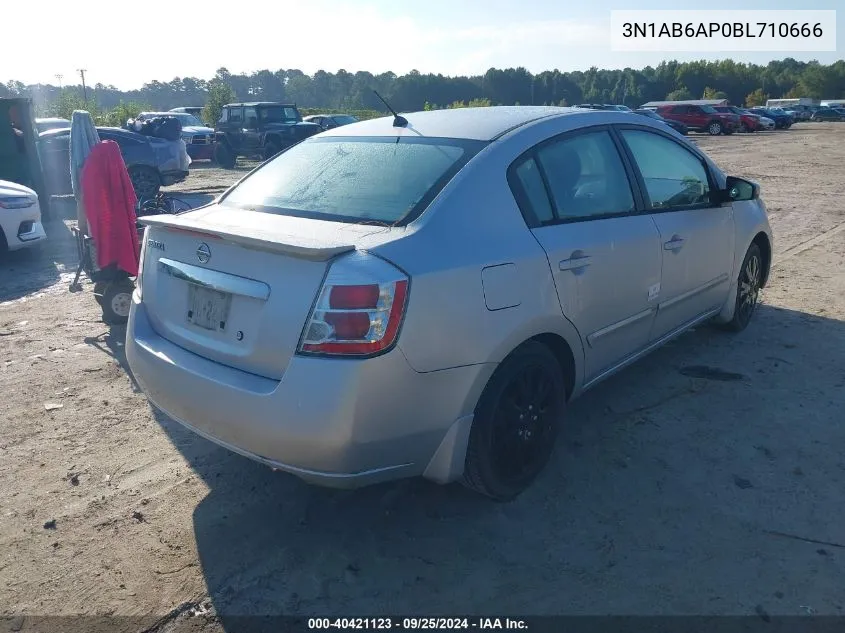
<point>338,423</point>
<point>172,177</point>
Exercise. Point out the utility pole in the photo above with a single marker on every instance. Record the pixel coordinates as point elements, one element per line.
<point>84,89</point>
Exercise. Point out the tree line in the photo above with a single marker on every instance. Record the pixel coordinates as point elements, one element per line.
<point>741,83</point>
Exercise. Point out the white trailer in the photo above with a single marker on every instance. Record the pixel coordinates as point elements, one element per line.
<point>791,103</point>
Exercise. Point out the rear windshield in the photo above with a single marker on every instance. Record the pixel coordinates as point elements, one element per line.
<point>388,180</point>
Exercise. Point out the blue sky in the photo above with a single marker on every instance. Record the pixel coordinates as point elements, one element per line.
<point>446,36</point>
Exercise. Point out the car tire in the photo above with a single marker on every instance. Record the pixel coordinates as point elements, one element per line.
<point>145,180</point>
<point>714,128</point>
<point>116,301</point>
<point>224,156</point>
<point>516,422</point>
<point>748,285</point>
<point>270,150</point>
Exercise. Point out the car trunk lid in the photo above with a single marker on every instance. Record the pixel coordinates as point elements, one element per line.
<point>237,286</point>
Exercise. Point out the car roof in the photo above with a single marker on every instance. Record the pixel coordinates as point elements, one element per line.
<point>483,124</point>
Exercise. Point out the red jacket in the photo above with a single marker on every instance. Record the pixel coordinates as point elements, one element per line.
<point>109,200</point>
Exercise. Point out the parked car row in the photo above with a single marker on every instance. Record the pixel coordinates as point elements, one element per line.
<point>686,117</point>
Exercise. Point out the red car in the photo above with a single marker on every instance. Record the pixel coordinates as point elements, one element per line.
<point>701,118</point>
<point>747,122</point>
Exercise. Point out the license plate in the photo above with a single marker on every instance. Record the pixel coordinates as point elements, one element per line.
<point>208,308</point>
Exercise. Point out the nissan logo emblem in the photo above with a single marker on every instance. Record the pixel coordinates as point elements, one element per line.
<point>203,253</point>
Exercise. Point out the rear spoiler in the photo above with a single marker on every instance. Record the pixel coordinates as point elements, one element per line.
<point>299,246</point>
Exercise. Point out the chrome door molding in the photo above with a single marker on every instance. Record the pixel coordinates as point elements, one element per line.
<point>650,347</point>
<point>613,327</point>
<point>689,294</point>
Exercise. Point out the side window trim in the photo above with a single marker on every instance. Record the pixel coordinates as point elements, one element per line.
<point>531,153</point>
<point>638,177</point>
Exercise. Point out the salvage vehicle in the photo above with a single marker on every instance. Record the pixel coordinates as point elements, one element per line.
<point>42,125</point>
<point>260,129</point>
<point>198,137</point>
<point>147,160</point>
<point>425,294</point>
<point>782,120</point>
<point>194,110</point>
<point>20,217</point>
<point>828,114</point>
<point>679,127</point>
<point>748,122</point>
<point>701,118</point>
<point>330,121</point>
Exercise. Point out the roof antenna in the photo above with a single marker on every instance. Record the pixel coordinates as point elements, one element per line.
<point>398,120</point>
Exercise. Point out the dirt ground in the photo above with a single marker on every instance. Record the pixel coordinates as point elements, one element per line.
<point>668,494</point>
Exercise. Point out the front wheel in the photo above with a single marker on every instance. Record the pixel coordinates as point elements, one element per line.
<point>224,156</point>
<point>715,128</point>
<point>516,422</point>
<point>749,284</point>
<point>270,150</point>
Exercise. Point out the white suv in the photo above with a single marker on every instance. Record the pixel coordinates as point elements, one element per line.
<point>20,217</point>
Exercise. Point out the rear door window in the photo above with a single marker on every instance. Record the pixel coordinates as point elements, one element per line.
<point>586,177</point>
<point>386,180</point>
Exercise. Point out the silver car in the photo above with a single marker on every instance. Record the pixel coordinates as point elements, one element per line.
<point>425,295</point>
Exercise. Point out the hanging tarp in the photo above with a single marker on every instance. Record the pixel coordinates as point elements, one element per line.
<point>83,137</point>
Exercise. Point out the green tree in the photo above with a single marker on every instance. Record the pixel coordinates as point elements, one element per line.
<point>712,93</point>
<point>118,115</point>
<point>682,94</point>
<point>219,94</point>
<point>756,98</point>
<point>68,101</point>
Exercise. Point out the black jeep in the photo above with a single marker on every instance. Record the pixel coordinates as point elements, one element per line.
<point>260,129</point>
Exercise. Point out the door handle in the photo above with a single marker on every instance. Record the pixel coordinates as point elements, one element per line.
<point>674,244</point>
<point>575,263</point>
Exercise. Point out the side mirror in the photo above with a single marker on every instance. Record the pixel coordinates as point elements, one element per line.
<point>740,190</point>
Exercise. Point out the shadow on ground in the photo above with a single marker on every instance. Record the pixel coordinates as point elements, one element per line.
<point>29,271</point>
<point>668,494</point>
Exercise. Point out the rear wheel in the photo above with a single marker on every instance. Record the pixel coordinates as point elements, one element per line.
<point>517,420</point>
<point>145,181</point>
<point>748,288</point>
<point>714,129</point>
<point>116,301</point>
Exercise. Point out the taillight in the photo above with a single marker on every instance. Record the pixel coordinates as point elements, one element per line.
<point>359,309</point>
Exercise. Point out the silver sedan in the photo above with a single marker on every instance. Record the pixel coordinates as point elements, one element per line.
<point>424,295</point>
